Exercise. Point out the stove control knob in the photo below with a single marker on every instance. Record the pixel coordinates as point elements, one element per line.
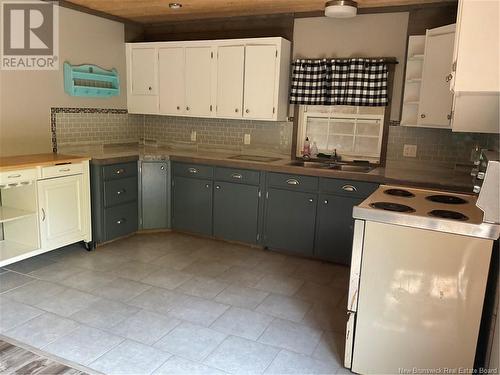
<point>480,175</point>
<point>476,189</point>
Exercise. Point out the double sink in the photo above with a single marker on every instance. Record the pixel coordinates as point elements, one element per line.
<point>360,167</point>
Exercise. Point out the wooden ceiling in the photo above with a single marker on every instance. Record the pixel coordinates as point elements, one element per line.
<point>153,11</point>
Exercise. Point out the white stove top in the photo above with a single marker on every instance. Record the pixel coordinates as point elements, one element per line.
<point>426,209</point>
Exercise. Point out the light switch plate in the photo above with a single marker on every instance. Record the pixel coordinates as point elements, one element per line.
<point>410,151</point>
<point>193,136</point>
<point>246,139</point>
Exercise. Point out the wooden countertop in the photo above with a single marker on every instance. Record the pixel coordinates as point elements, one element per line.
<point>9,163</point>
<point>435,178</point>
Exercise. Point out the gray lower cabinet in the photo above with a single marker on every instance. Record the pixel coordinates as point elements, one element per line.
<point>192,205</point>
<point>236,211</point>
<point>114,200</point>
<point>290,220</point>
<point>155,200</point>
<point>334,228</point>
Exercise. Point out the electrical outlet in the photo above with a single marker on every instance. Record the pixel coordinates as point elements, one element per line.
<point>193,136</point>
<point>410,151</point>
<point>246,139</point>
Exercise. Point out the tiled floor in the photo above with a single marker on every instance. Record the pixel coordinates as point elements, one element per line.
<point>175,304</point>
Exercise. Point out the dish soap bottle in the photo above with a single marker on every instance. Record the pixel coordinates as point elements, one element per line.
<point>306,149</point>
<point>314,150</point>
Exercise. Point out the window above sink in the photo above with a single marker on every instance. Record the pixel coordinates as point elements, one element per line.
<point>354,132</point>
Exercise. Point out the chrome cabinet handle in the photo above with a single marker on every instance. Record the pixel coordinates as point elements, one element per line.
<point>14,176</point>
<point>207,186</point>
<point>237,176</point>
<point>292,181</point>
<point>349,188</point>
<point>43,214</point>
<point>162,167</point>
<point>449,77</point>
<point>217,187</point>
<point>193,170</point>
<point>120,192</point>
<point>64,170</point>
<point>120,171</point>
<point>121,221</point>
<point>310,200</point>
<point>326,201</point>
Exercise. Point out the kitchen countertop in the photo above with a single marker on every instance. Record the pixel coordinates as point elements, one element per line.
<point>9,163</point>
<point>393,174</point>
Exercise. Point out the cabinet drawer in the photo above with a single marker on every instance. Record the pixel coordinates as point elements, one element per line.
<point>120,191</point>
<point>16,177</point>
<point>62,170</point>
<point>242,176</point>
<point>292,181</point>
<point>347,187</point>
<point>193,170</point>
<point>120,220</point>
<point>115,171</point>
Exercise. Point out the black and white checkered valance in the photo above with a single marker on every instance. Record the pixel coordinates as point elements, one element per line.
<point>357,81</point>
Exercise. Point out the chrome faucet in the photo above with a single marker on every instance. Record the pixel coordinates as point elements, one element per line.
<point>335,157</point>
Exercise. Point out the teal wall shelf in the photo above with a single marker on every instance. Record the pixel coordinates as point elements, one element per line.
<point>90,81</point>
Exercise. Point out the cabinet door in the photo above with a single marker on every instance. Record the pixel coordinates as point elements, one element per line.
<point>260,81</point>
<point>290,221</point>
<point>334,229</point>
<point>477,47</point>
<point>435,96</point>
<point>144,71</point>
<point>154,195</point>
<point>192,205</point>
<point>171,80</point>
<point>199,81</point>
<point>236,208</point>
<point>230,72</point>
<point>61,211</point>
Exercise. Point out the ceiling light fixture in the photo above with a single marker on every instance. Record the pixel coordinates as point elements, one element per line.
<point>175,5</point>
<point>341,8</point>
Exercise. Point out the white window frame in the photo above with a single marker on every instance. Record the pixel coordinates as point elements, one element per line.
<point>304,115</point>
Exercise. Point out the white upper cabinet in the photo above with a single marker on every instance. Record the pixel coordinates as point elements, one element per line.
<point>142,94</point>
<point>230,75</point>
<point>477,47</point>
<point>238,78</point>
<point>199,81</point>
<point>475,72</point>
<point>171,80</point>
<point>435,103</point>
<point>260,81</point>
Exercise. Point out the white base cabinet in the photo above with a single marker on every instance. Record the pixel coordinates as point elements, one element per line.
<point>234,78</point>
<point>62,220</point>
<point>44,208</point>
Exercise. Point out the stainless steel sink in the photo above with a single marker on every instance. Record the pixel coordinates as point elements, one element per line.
<point>339,166</point>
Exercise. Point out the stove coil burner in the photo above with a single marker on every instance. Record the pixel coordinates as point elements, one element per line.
<point>446,214</point>
<point>389,206</point>
<point>399,193</point>
<point>447,199</point>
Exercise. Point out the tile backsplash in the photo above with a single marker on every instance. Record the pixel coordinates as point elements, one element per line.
<point>436,145</point>
<point>77,126</point>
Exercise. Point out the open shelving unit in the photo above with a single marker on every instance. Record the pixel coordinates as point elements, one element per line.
<point>19,222</point>
<point>413,80</point>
